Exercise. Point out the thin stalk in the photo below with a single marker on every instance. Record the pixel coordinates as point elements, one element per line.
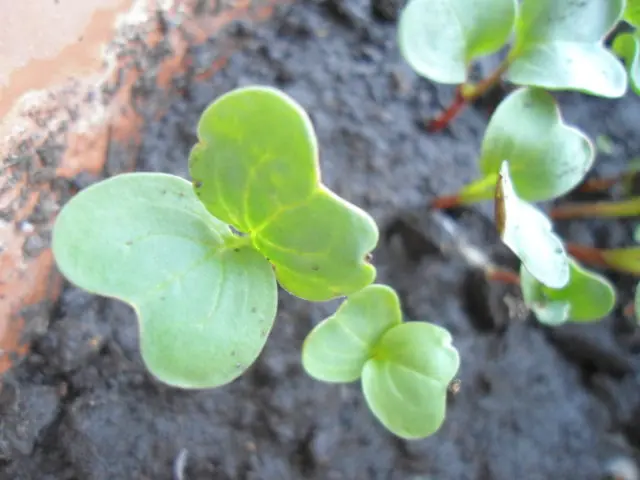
<point>624,260</point>
<point>623,208</point>
<point>602,184</point>
<point>598,184</point>
<point>465,94</point>
<point>445,202</point>
<point>502,275</point>
<point>630,310</point>
<point>476,191</point>
<point>591,255</point>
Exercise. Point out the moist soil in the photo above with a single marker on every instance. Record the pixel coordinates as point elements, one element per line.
<point>530,402</point>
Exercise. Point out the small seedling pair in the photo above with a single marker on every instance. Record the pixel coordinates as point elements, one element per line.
<point>528,153</point>
<point>200,264</point>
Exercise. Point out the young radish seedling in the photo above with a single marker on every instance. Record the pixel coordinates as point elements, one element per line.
<point>554,286</point>
<point>205,295</point>
<point>405,367</point>
<point>557,45</point>
<point>200,262</point>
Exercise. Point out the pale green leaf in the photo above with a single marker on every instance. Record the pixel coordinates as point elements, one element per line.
<point>529,234</point>
<point>627,46</point>
<point>547,158</point>
<point>586,297</point>
<point>439,38</point>
<point>205,298</point>
<point>406,381</point>
<point>256,167</point>
<point>337,348</point>
<point>632,12</point>
<point>559,46</point>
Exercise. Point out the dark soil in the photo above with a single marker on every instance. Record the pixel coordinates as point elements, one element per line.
<point>533,403</point>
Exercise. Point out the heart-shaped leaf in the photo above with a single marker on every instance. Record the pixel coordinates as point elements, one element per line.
<point>405,367</point>
<point>632,12</point>
<point>559,46</point>
<point>547,158</point>
<point>205,298</point>
<point>256,167</point>
<point>627,46</point>
<point>337,348</point>
<point>529,234</point>
<point>405,382</point>
<point>439,38</point>
<point>587,297</point>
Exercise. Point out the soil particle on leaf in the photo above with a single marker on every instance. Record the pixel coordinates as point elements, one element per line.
<point>523,409</point>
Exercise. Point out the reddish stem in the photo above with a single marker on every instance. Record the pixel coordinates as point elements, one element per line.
<point>462,98</point>
<point>445,202</point>
<point>598,184</point>
<point>590,255</point>
<point>502,276</point>
<point>630,310</point>
<point>442,120</point>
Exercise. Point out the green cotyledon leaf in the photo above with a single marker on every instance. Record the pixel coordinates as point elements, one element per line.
<point>627,46</point>
<point>256,167</point>
<point>337,349</point>
<point>440,38</point>
<point>405,367</point>
<point>405,382</point>
<point>547,157</point>
<point>632,12</point>
<point>587,297</point>
<point>559,46</point>
<point>205,298</point>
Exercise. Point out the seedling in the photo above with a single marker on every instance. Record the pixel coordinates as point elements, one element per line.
<point>547,158</point>
<point>200,262</point>
<point>206,296</point>
<point>557,45</point>
<point>405,367</point>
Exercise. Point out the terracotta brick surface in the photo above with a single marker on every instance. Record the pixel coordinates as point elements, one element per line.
<point>57,60</point>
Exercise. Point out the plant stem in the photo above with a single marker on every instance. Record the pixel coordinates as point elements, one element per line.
<point>442,120</point>
<point>465,94</point>
<point>476,191</point>
<point>624,208</point>
<point>445,202</point>
<point>502,275</point>
<point>601,184</point>
<point>590,255</point>
<point>598,184</point>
